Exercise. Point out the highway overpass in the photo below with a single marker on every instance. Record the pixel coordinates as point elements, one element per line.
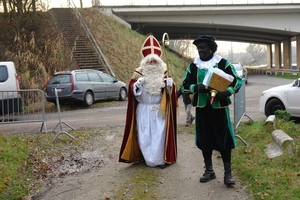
<point>274,25</point>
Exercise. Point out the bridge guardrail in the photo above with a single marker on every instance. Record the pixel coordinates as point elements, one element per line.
<point>29,108</point>
<point>271,71</point>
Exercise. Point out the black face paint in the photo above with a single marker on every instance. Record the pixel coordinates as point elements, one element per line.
<point>204,51</point>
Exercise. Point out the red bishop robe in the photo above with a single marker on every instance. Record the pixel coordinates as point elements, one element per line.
<point>130,151</point>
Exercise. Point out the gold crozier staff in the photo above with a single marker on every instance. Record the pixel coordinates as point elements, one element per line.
<point>168,89</point>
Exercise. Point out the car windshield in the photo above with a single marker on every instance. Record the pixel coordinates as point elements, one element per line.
<point>237,67</point>
<point>58,79</point>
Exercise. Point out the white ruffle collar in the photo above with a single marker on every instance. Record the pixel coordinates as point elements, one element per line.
<point>207,64</point>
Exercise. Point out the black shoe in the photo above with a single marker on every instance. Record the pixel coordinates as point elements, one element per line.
<point>207,176</point>
<point>228,180</point>
<point>162,166</point>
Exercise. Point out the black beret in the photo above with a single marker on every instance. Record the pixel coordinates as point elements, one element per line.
<point>204,38</point>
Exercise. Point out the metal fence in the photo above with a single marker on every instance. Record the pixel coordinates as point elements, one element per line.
<point>240,109</point>
<point>23,106</point>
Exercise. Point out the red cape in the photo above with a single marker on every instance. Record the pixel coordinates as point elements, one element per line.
<point>130,151</point>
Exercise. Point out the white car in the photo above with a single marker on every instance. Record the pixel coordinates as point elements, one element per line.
<point>10,99</point>
<point>284,97</point>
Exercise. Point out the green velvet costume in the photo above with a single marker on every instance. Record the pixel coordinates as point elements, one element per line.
<point>211,118</point>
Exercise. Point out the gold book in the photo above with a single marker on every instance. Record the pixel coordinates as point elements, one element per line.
<point>218,82</point>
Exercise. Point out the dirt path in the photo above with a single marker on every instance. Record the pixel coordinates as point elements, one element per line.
<point>94,173</point>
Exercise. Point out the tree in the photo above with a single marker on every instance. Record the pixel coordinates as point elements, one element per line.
<point>18,12</point>
<point>258,54</point>
<point>5,9</point>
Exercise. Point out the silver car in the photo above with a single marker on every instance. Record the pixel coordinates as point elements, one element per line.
<point>241,71</point>
<point>86,85</point>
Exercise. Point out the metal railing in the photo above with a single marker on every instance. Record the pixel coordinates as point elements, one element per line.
<point>271,71</point>
<point>22,106</point>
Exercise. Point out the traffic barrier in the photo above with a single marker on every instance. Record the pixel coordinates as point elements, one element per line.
<point>270,123</point>
<point>240,110</point>
<point>281,142</point>
<point>26,106</point>
<point>60,121</point>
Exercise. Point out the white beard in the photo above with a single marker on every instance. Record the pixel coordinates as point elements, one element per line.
<point>154,75</point>
<point>154,80</point>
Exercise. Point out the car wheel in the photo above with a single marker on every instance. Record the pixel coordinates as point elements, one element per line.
<point>272,106</point>
<point>122,94</point>
<point>88,98</point>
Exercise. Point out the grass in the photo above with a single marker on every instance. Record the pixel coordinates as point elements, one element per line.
<point>265,178</point>
<point>142,185</point>
<point>14,155</point>
<point>23,163</point>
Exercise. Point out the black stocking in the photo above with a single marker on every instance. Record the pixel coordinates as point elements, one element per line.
<point>226,156</point>
<point>207,155</point>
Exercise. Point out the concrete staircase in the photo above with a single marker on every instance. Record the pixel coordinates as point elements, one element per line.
<point>83,49</point>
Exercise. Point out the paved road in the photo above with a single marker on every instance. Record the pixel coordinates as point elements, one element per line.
<point>115,116</point>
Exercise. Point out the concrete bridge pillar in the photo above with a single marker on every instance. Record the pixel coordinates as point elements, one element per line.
<point>277,55</point>
<point>287,54</point>
<point>298,51</point>
<point>269,56</point>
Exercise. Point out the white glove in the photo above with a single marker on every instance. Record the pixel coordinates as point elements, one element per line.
<point>169,82</point>
<point>139,82</point>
